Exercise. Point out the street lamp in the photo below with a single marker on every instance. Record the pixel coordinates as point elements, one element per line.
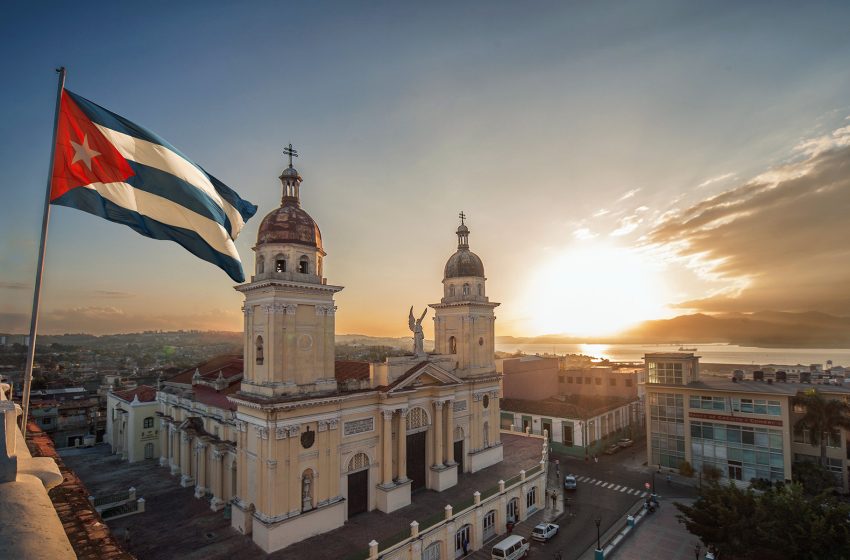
<point>598,522</point>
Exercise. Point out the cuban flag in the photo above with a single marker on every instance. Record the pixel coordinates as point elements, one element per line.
<point>118,170</point>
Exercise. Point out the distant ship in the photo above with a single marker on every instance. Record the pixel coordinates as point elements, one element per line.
<point>683,349</point>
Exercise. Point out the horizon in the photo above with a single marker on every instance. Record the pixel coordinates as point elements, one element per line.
<point>654,161</point>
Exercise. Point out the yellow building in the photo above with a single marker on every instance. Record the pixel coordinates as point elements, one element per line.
<point>313,450</point>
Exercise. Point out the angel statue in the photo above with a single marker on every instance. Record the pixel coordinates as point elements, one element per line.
<point>418,336</point>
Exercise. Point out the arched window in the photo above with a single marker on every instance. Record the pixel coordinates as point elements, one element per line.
<point>432,551</point>
<point>480,290</point>
<point>462,540</point>
<point>490,524</point>
<point>259,350</point>
<point>458,433</point>
<point>280,264</point>
<point>148,422</point>
<point>531,497</point>
<point>261,264</point>
<point>451,291</point>
<point>417,418</point>
<point>303,264</point>
<point>307,490</point>
<point>358,463</point>
<point>452,345</point>
<point>466,289</point>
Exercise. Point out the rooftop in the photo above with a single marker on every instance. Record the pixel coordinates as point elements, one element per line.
<point>578,407</point>
<point>145,393</point>
<point>749,386</point>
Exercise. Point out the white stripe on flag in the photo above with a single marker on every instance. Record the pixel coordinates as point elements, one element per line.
<point>160,157</point>
<point>168,212</point>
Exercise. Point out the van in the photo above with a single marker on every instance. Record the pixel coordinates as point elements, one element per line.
<point>510,548</point>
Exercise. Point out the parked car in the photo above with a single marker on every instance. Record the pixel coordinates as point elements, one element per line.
<point>544,531</point>
<point>511,548</point>
<point>625,442</point>
<point>611,449</point>
<point>570,482</point>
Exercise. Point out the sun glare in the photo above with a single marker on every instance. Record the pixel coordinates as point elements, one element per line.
<point>594,290</point>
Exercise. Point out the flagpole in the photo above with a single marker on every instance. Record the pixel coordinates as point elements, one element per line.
<point>36,296</point>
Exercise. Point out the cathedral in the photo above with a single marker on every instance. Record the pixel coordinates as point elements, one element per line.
<point>318,441</point>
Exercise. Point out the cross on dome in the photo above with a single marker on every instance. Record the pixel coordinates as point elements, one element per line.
<point>291,152</point>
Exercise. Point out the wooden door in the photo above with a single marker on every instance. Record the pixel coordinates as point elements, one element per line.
<point>358,492</point>
<point>416,467</point>
<point>459,456</point>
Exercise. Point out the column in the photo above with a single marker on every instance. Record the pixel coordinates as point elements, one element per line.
<point>387,457</point>
<point>200,469</point>
<point>163,442</point>
<point>217,482</point>
<point>402,445</point>
<point>450,433</point>
<point>438,434</point>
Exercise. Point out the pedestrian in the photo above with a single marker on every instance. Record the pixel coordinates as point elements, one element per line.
<point>554,499</point>
<point>465,545</point>
<point>595,459</point>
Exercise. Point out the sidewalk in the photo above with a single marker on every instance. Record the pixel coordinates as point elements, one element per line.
<point>659,535</point>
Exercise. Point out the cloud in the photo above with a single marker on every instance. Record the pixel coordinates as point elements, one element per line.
<point>584,233</point>
<point>601,212</point>
<point>628,195</point>
<point>111,294</point>
<point>109,319</point>
<point>717,179</point>
<point>779,241</point>
<point>627,225</point>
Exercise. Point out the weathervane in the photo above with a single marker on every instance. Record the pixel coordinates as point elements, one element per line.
<point>462,217</point>
<point>291,152</point>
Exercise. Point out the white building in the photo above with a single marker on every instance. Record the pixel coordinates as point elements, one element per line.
<point>131,427</point>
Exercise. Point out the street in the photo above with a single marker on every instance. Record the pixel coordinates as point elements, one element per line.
<point>606,490</point>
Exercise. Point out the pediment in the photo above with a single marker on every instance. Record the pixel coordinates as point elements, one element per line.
<point>427,375</point>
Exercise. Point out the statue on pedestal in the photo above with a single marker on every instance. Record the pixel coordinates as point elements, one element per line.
<point>418,336</point>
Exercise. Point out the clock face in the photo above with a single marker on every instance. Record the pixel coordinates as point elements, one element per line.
<point>308,438</point>
<point>486,401</point>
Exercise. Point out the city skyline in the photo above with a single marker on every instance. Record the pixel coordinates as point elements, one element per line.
<point>616,165</point>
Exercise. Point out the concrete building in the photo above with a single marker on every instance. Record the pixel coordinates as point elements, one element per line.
<point>743,428</point>
<point>132,429</point>
<point>604,381</point>
<point>305,442</point>
<point>529,377</point>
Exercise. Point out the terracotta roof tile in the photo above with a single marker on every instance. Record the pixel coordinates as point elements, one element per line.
<point>229,365</point>
<point>350,369</point>
<point>145,393</point>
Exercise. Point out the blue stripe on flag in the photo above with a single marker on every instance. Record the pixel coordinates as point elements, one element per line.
<point>107,118</point>
<point>245,208</point>
<point>171,187</point>
<point>90,201</point>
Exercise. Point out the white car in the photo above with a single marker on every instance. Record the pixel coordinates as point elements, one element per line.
<point>570,482</point>
<point>544,531</point>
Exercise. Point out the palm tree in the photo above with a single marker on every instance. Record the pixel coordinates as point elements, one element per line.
<point>822,418</point>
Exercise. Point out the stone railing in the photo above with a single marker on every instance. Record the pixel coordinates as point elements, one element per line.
<point>111,500</point>
<point>29,525</point>
<point>485,516</point>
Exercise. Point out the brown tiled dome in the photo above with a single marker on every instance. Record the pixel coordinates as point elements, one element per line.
<point>464,263</point>
<point>289,224</point>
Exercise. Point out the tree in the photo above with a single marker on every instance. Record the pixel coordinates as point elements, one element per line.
<point>814,478</point>
<point>778,523</point>
<point>822,417</point>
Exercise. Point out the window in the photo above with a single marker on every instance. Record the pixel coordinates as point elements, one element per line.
<point>489,524</point>
<point>612,382</point>
<point>531,498</point>
<point>670,373</point>
<point>303,265</point>
<point>451,291</point>
<point>466,289</point>
<point>480,290</point>
<point>261,265</point>
<point>452,345</point>
<point>280,265</point>
<point>260,350</point>
<point>148,422</point>
<point>432,552</point>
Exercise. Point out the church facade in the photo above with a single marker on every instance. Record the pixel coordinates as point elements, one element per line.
<point>316,443</point>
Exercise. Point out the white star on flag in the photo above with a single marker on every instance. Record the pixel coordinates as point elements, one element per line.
<point>83,152</point>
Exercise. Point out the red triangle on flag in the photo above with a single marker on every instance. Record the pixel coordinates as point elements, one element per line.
<point>83,154</point>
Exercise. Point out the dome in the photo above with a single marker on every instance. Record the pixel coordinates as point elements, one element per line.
<point>290,172</point>
<point>289,224</point>
<point>464,263</point>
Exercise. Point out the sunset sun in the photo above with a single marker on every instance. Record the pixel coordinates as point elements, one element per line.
<point>595,290</point>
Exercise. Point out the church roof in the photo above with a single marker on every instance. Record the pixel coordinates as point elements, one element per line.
<point>350,369</point>
<point>464,263</point>
<point>289,224</point>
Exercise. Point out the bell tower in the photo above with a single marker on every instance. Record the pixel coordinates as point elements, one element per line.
<point>464,322</point>
<point>289,307</point>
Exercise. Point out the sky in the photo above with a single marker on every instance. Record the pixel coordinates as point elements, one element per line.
<point>617,161</point>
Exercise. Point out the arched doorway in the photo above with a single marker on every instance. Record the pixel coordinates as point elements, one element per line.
<point>462,536</point>
<point>417,427</point>
<point>512,511</point>
<point>432,551</point>
<point>358,484</point>
<point>489,525</point>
